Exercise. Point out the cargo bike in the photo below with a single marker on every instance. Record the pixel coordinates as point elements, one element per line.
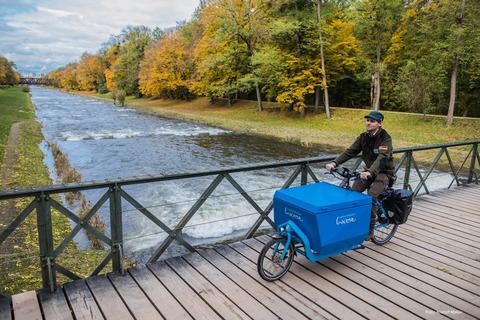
<point>320,220</point>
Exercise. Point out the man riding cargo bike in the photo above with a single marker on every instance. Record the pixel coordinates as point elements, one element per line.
<point>320,220</point>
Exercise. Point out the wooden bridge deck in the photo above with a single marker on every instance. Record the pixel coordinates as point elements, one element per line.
<point>430,270</point>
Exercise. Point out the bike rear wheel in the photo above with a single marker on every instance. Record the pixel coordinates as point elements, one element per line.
<point>383,232</point>
<point>270,265</point>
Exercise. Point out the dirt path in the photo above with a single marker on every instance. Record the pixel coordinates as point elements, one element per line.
<point>7,212</point>
<point>10,155</point>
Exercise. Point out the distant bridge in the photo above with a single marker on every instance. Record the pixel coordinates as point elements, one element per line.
<point>36,81</point>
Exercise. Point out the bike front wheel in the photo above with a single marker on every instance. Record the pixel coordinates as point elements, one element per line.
<point>275,259</point>
<point>383,232</point>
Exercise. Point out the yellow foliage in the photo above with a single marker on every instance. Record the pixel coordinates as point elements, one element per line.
<point>166,67</point>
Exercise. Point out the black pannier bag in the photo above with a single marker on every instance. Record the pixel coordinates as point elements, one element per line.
<point>397,203</point>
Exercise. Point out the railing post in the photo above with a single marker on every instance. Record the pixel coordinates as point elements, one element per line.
<point>408,166</point>
<point>116,228</point>
<point>475,156</point>
<point>45,239</point>
<point>304,177</point>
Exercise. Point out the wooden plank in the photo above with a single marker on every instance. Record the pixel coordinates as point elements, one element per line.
<point>219,302</point>
<point>81,301</point>
<point>158,294</point>
<point>437,257</point>
<point>5,307</point>
<point>415,274</point>
<point>54,305</point>
<point>137,302</point>
<point>432,235</point>
<point>299,274</point>
<point>461,227</point>
<point>454,221</point>
<point>25,306</point>
<point>423,237</point>
<point>430,273</point>
<point>319,301</point>
<point>109,302</point>
<point>194,303</point>
<point>260,294</point>
<point>385,283</point>
<point>238,296</point>
<point>464,219</point>
<point>447,200</point>
<point>289,297</point>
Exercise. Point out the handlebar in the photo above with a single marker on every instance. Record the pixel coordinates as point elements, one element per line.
<point>345,173</point>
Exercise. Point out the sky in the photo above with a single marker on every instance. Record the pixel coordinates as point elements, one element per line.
<point>43,35</point>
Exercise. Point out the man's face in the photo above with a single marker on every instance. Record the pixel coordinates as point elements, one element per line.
<point>373,125</point>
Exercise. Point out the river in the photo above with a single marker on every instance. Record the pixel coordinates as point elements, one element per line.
<point>104,141</point>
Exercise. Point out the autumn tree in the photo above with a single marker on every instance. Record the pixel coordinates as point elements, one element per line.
<point>8,75</point>
<point>168,66</point>
<point>123,71</point>
<point>90,73</point>
<point>231,33</point>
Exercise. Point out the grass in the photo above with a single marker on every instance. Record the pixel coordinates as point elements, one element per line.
<point>15,106</point>
<point>19,259</point>
<point>335,134</point>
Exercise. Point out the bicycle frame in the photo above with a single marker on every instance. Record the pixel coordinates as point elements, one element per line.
<point>296,237</point>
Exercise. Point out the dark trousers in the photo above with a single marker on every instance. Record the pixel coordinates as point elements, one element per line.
<point>375,188</point>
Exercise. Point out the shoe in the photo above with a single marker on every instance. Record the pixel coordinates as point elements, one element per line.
<point>369,235</point>
<point>382,220</point>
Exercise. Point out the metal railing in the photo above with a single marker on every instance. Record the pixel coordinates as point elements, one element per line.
<point>114,194</point>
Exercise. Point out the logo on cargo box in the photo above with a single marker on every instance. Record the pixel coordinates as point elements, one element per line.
<point>346,219</point>
<point>293,214</point>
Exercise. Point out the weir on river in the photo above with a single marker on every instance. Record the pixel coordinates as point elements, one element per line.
<point>103,141</point>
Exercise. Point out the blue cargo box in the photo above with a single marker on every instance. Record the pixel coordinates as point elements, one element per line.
<point>334,219</point>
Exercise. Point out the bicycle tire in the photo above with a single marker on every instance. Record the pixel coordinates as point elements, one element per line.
<point>270,266</point>
<point>383,233</point>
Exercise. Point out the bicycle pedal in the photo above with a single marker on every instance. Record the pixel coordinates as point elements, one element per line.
<point>361,246</point>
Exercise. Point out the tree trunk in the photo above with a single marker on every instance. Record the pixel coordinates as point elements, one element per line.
<point>322,57</point>
<point>376,75</point>
<point>453,92</point>
<point>259,97</point>
<point>317,99</point>
<point>375,91</point>
<point>453,79</point>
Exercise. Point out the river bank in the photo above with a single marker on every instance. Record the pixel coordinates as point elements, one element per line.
<point>406,129</point>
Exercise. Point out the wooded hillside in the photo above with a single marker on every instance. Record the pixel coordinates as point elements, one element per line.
<point>404,55</point>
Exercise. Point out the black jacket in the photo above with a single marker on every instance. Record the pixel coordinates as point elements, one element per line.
<point>376,152</point>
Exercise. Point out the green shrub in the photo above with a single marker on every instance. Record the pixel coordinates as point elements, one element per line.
<point>121,95</point>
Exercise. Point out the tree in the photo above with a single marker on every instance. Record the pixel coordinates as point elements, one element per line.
<point>322,57</point>
<point>293,30</point>
<point>8,75</point>
<point>376,21</point>
<point>441,38</point>
<point>90,73</point>
<point>231,32</point>
<point>168,67</point>
<point>123,72</point>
